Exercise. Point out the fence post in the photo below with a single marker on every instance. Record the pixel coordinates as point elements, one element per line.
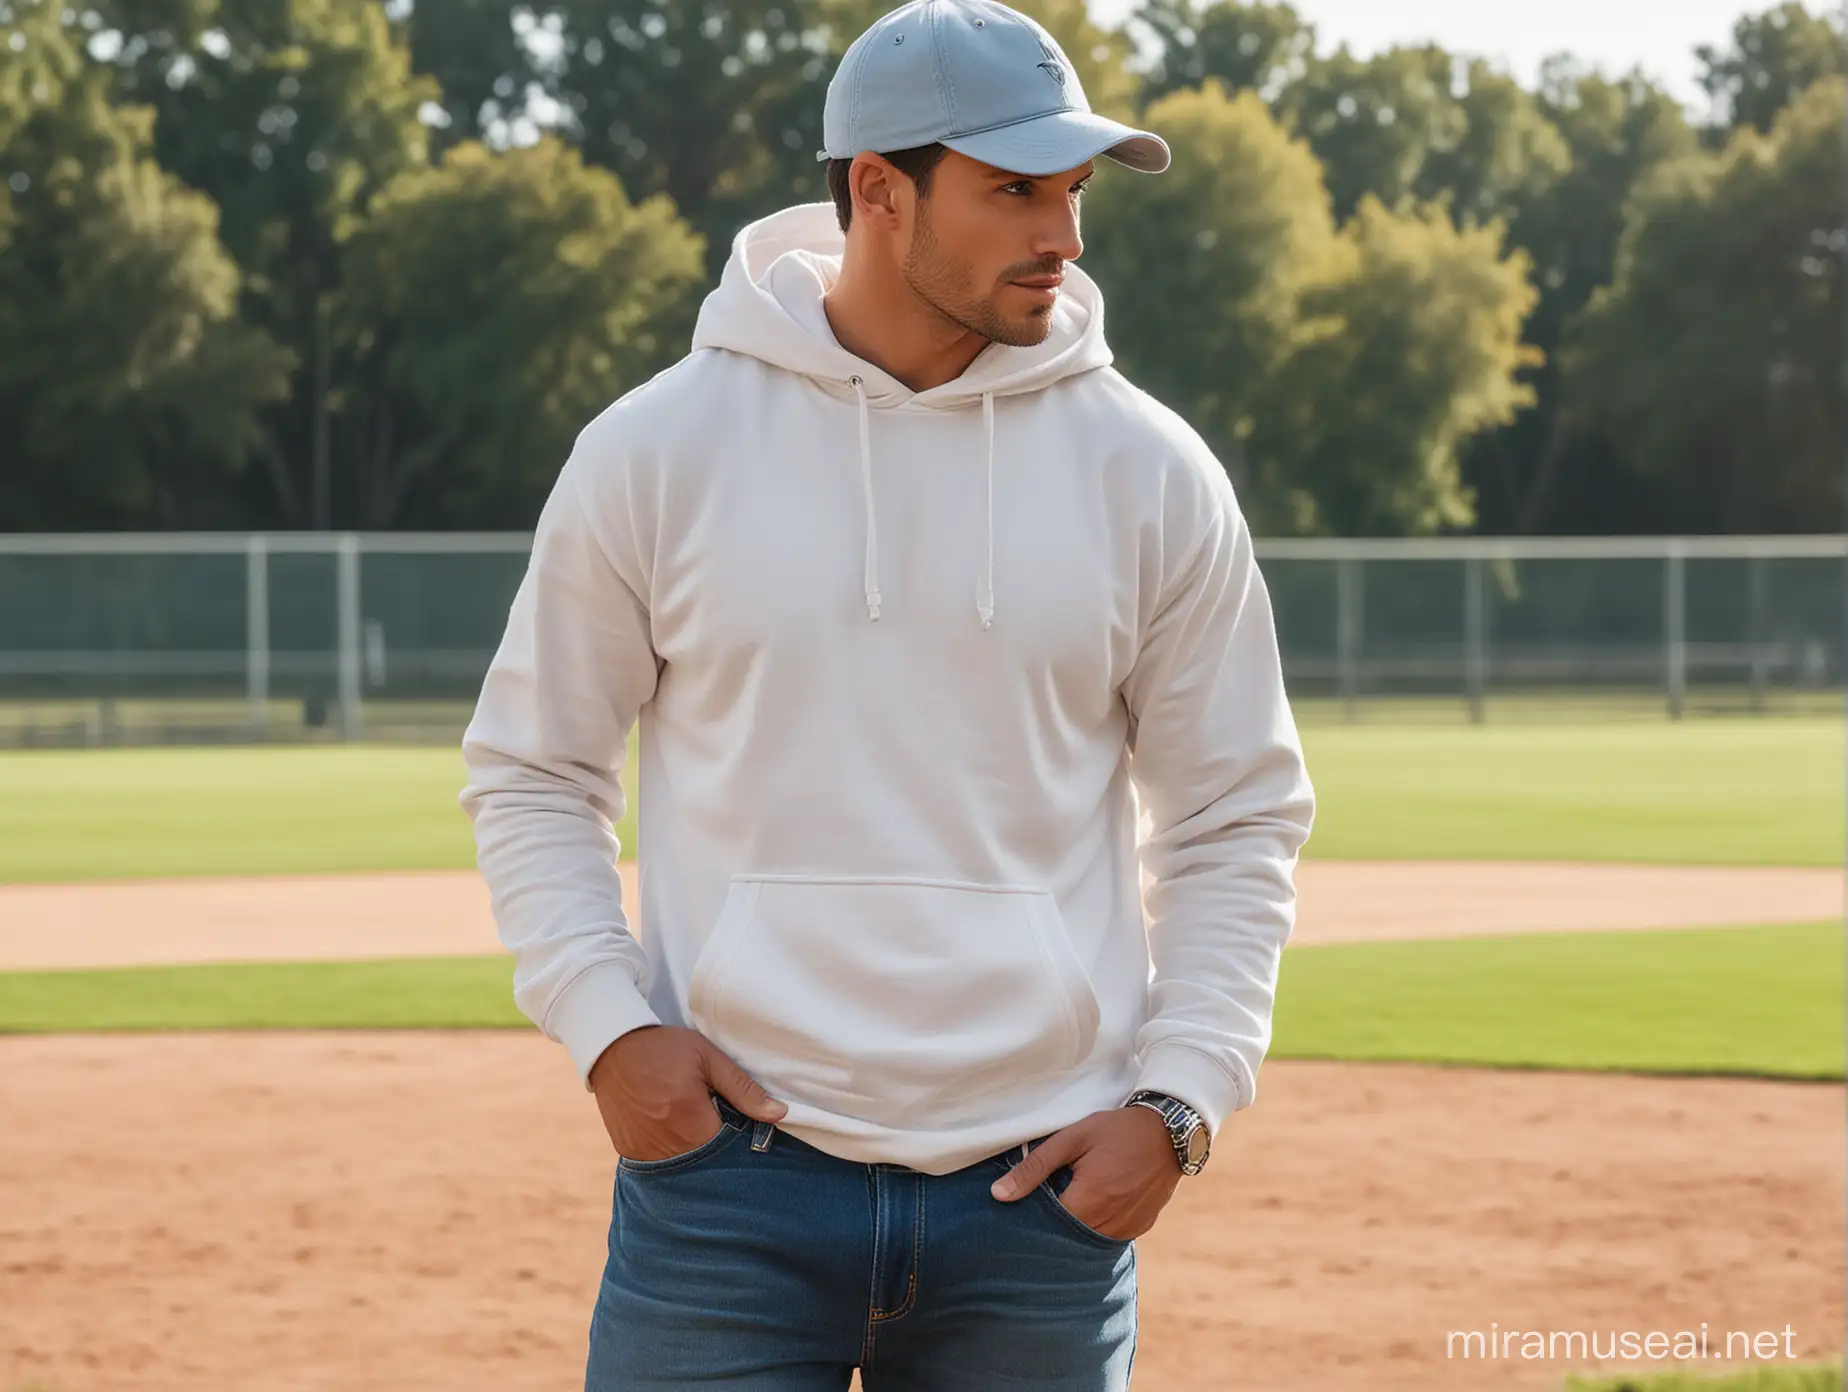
<point>256,632</point>
<point>1347,632</point>
<point>1675,627</point>
<point>1475,640</point>
<point>347,597</point>
<point>1761,655</point>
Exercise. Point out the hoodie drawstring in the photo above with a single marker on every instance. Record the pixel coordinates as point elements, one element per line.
<point>872,521</point>
<point>985,586</point>
<point>985,591</point>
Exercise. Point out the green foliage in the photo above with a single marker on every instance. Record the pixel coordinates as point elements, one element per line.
<point>1617,133</point>
<point>128,387</point>
<point>1204,268</point>
<point>1335,374</point>
<point>493,306</point>
<point>1324,284</point>
<point>291,115</point>
<point>1415,342</point>
<point>1775,57</point>
<point>1257,46</point>
<point>1561,169</point>
<point>1392,126</point>
<point>1714,359</point>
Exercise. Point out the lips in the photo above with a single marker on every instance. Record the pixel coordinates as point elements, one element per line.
<point>1041,283</point>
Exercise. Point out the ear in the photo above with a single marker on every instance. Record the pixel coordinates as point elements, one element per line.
<point>880,193</point>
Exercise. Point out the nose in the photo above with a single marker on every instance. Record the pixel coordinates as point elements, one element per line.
<point>1060,235</point>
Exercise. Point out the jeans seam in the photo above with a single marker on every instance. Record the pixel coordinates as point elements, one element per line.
<point>872,1281</point>
<point>917,1251</point>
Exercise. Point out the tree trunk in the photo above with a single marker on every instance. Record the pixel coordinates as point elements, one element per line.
<point>278,470</point>
<point>321,459</point>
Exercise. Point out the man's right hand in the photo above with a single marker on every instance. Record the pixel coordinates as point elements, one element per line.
<point>653,1088</point>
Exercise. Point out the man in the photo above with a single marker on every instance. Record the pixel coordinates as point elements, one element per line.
<point>918,603</point>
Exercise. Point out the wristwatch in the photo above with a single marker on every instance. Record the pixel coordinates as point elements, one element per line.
<point>1186,1129</point>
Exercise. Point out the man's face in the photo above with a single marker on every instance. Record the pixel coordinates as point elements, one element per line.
<point>980,232</point>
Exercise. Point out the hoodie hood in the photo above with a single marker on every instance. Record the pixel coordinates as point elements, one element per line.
<point>768,306</point>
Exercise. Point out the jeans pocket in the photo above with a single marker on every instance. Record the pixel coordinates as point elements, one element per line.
<point>1051,1188</point>
<point>732,1123</point>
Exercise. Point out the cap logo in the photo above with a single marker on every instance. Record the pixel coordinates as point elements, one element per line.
<point>1052,64</point>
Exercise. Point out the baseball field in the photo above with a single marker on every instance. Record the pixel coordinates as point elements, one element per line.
<point>1559,1048</point>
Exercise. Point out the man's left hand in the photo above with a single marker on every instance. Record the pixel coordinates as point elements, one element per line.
<point>1124,1171</point>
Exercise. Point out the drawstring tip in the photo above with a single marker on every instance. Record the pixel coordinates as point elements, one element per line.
<point>872,606</point>
<point>988,617</point>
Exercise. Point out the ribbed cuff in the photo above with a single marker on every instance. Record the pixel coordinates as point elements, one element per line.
<point>1196,1079</point>
<point>599,1007</point>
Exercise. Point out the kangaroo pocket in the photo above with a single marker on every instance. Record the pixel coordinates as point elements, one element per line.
<point>902,1002</point>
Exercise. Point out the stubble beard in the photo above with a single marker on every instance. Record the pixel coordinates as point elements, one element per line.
<point>947,286</point>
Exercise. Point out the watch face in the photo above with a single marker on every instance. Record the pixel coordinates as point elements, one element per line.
<point>1197,1146</point>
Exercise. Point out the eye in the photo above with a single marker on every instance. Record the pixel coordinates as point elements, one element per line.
<point>1019,186</point>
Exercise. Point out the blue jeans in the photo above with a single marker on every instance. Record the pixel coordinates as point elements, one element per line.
<point>759,1263</point>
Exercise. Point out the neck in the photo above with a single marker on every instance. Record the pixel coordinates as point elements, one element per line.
<point>877,316</point>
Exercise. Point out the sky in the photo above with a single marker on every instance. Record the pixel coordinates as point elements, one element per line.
<point>1660,35</point>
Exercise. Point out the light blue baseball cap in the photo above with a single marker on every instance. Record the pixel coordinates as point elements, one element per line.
<point>983,79</point>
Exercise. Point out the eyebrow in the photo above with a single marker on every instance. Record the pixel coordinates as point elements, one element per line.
<point>1004,176</point>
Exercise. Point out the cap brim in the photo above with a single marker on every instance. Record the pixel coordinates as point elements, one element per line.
<point>1062,140</point>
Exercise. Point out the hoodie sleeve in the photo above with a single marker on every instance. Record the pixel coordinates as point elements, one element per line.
<point>543,753</point>
<point>1219,769</point>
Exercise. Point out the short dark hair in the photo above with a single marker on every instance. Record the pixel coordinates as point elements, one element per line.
<point>915,163</point>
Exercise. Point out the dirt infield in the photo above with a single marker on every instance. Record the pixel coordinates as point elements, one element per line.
<point>446,913</point>
<point>428,1211</point>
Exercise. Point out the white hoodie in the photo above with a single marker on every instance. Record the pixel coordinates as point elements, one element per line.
<point>910,667</point>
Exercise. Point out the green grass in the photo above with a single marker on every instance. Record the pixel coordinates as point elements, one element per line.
<point>1735,791</point>
<point>1760,1001</point>
<point>1718,792</point>
<point>408,993</point>
<point>156,813</point>
<point>1811,1377</point>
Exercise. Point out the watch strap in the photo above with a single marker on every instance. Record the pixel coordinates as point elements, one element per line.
<point>1180,1119</point>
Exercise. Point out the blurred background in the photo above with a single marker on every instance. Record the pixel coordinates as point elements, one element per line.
<point>322,278</point>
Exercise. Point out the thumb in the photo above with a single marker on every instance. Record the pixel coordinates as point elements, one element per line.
<point>1060,1148</point>
<point>738,1087</point>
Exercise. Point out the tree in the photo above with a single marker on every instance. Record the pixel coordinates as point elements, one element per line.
<point>1535,473</point>
<point>1259,47</point>
<point>1203,268</point>
<point>716,105</point>
<point>1714,359</point>
<point>128,390</point>
<point>1775,57</point>
<point>1414,344</point>
<point>493,306</point>
<point>1419,125</point>
<point>481,62</point>
<point>291,115</point>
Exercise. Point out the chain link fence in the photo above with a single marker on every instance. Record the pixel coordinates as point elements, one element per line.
<point>221,638</point>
